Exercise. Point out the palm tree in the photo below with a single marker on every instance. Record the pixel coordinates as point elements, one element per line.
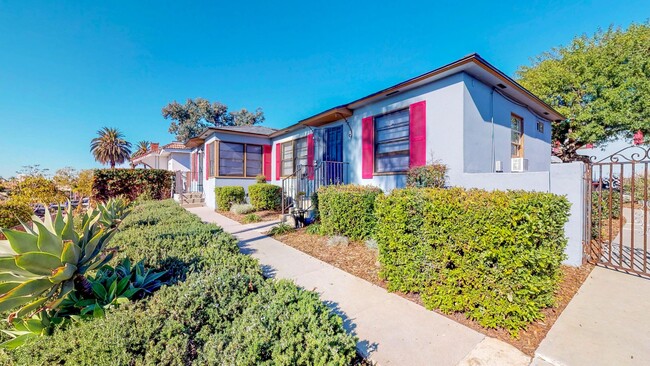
<point>141,148</point>
<point>110,147</point>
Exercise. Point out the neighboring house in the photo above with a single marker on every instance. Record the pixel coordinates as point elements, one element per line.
<point>174,157</point>
<point>467,115</point>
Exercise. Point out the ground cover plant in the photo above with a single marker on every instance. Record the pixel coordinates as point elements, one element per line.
<point>494,256</point>
<point>217,308</point>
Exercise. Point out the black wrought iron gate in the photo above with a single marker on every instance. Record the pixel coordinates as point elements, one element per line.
<point>618,211</point>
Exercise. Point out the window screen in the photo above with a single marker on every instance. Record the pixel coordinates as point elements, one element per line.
<point>253,160</point>
<point>231,159</point>
<point>392,142</point>
<point>287,158</point>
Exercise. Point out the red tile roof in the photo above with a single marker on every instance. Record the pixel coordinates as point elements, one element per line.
<point>176,145</point>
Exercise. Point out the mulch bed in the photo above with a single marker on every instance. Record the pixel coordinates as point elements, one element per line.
<point>362,262</point>
<point>264,215</point>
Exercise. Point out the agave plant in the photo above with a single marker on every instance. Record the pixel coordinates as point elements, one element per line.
<point>40,266</point>
<point>111,287</point>
<point>113,212</point>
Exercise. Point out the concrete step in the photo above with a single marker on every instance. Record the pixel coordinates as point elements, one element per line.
<point>191,205</point>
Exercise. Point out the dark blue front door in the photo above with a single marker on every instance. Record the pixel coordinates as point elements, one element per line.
<point>333,155</point>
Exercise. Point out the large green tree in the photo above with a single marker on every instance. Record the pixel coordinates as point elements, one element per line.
<point>110,147</point>
<point>189,119</point>
<point>601,83</point>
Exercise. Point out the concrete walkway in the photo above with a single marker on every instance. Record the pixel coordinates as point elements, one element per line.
<point>606,323</point>
<point>391,329</point>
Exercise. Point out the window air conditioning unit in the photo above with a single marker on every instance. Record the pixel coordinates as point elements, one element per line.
<point>498,166</point>
<point>518,165</point>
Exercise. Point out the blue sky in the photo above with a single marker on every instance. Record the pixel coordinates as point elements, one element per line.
<point>68,68</point>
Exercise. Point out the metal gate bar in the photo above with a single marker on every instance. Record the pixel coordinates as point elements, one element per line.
<point>617,225</point>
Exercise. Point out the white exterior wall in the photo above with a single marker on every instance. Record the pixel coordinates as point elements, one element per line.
<point>178,162</point>
<point>210,183</point>
<point>460,134</point>
<point>487,131</point>
<point>444,130</point>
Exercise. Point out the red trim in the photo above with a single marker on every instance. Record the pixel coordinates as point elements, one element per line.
<point>278,161</point>
<point>310,156</point>
<point>367,147</point>
<point>266,158</point>
<point>418,134</point>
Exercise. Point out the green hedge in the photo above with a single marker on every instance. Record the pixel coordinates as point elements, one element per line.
<point>132,183</point>
<point>220,311</point>
<point>10,212</point>
<point>265,196</point>
<point>494,255</point>
<point>227,195</point>
<point>348,210</point>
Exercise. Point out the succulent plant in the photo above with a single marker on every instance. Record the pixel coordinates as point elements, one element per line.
<point>113,212</point>
<point>40,266</point>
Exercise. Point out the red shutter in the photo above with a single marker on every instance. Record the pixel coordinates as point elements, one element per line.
<point>310,156</point>
<point>367,147</point>
<point>207,160</point>
<point>278,160</point>
<point>266,165</point>
<point>418,134</point>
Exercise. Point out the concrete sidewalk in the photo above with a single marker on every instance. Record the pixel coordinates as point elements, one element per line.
<point>606,323</point>
<point>391,329</point>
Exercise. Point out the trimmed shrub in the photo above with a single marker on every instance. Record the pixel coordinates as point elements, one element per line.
<point>242,208</point>
<point>494,255</point>
<point>11,212</point>
<point>260,178</point>
<point>226,196</point>
<point>348,210</point>
<point>132,183</point>
<point>600,205</point>
<point>220,311</point>
<point>265,196</point>
<point>428,176</point>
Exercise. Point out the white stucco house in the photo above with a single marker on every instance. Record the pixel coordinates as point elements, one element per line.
<point>174,156</point>
<point>489,130</point>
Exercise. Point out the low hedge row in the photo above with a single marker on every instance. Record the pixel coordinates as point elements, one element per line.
<point>348,210</point>
<point>494,255</point>
<point>132,183</point>
<point>220,311</point>
<point>264,196</point>
<point>226,196</point>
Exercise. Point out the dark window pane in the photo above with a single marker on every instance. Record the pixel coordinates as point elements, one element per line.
<point>392,142</point>
<point>253,160</point>
<point>231,159</point>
